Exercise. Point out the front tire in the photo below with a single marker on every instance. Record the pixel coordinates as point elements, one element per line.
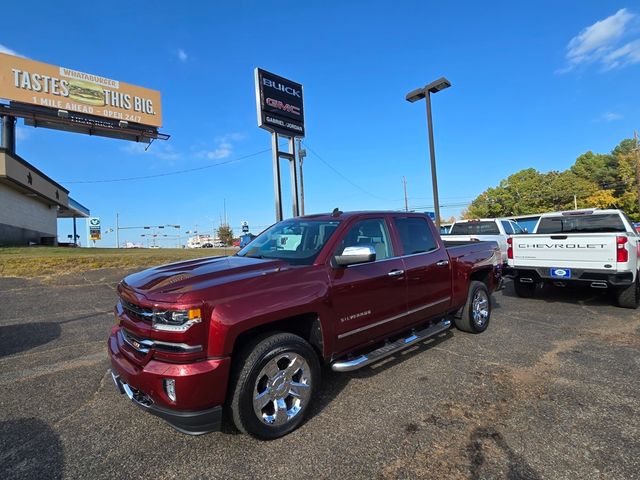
<point>629,297</point>
<point>476,313</point>
<point>273,383</point>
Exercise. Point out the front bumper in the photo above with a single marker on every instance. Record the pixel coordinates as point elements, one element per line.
<point>191,423</point>
<point>200,386</point>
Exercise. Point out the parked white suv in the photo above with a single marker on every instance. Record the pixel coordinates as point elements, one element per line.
<point>484,229</point>
<point>599,248</point>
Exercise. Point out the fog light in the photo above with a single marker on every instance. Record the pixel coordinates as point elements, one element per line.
<point>170,388</point>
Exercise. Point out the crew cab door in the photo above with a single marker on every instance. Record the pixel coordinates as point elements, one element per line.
<point>368,298</point>
<point>427,267</point>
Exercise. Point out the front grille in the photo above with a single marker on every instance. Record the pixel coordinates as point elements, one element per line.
<point>136,312</point>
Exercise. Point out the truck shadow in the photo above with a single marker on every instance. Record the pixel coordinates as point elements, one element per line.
<point>18,338</point>
<point>572,294</point>
<point>334,382</point>
<point>30,448</point>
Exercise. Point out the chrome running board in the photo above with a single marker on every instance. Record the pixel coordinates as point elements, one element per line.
<point>390,348</point>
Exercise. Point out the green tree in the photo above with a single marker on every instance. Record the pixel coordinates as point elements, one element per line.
<point>225,234</point>
<point>595,179</point>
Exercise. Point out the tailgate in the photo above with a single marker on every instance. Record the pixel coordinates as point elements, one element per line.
<point>587,250</point>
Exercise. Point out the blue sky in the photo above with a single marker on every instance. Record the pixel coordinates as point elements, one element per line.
<point>535,84</point>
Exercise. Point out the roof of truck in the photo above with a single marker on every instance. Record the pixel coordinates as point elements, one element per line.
<point>587,211</point>
<point>345,215</point>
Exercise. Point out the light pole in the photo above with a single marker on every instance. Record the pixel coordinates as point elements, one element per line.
<point>418,94</point>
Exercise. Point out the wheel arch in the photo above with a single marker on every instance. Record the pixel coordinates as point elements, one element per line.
<point>306,325</point>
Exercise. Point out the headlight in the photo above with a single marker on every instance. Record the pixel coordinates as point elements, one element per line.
<point>175,320</point>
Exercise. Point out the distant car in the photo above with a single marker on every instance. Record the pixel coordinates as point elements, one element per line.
<point>154,246</point>
<point>236,243</point>
<point>207,245</point>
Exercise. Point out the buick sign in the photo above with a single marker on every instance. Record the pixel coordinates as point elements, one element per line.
<point>280,104</point>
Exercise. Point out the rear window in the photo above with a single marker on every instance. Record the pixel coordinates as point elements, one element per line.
<point>507,227</point>
<point>415,235</point>
<point>475,228</point>
<point>610,222</point>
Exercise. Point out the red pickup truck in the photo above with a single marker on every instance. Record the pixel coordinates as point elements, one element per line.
<point>248,333</point>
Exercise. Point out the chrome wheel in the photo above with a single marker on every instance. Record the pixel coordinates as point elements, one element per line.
<point>480,308</point>
<point>282,389</point>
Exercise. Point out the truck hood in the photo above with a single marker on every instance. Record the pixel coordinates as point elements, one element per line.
<point>176,282</point>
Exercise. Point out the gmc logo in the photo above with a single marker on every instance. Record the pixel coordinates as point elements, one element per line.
<point>285,107</point>
<point>283,88</point>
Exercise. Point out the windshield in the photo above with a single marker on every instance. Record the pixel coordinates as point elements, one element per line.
<point>297,241</point>
<point>581,224</point>
<point>475,228</point>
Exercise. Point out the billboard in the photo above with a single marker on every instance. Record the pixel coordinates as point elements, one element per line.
<point>60,88</point>
<point>280,104</point>
<point>94,228</point>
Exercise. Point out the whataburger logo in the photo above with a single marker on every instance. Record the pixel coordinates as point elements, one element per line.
<point>88,77</point>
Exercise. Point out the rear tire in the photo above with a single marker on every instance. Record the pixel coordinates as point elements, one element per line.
<point>525,290</point>
<point>476,313</point>
<point>629,297</point>
<point>273,382</point>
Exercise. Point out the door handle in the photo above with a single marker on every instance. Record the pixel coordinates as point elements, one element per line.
<point>395,273</point>
<point>442,263</point>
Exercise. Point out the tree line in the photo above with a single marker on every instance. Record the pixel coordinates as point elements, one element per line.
<point>595,180</point>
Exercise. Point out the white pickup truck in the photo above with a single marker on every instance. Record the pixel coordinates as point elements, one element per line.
<point>484,229</point>
<point>599,248</point>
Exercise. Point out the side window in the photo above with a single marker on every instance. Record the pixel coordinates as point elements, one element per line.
<point>415,235</point>
<point>517,228</point>
<point>507,227</point>
<point>372,232</point>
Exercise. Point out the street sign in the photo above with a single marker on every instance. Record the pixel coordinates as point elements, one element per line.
<point>431,215</point>
<point>245,227</point>
<point>280,104</point>
<point>94,229</point>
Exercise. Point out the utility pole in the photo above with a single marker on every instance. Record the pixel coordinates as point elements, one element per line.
<point>406,202</point>
<point>575,202</point>
<point>301,154</point>
<point>637,150</point>
<point>117,230</point>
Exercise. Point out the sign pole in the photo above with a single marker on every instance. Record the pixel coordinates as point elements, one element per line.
<point>117,230</point>
<point>294,177</point>
<point>275,151</point>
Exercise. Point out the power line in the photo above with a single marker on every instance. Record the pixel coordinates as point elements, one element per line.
<point>176,172</point>
<point>344,177</point>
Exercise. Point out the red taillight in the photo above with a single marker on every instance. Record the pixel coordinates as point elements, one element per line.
<point>622,252</point>
<point>510,248</point>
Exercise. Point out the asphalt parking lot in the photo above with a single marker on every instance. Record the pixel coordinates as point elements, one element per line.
<point>551,390</point>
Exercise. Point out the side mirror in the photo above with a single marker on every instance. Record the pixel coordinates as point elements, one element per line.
<point>355,255</point>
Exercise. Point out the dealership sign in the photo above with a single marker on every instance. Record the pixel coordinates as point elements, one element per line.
<point>34,83</point>
<point>280,104</point>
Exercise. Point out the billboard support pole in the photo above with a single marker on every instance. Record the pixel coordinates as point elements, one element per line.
<point>9,133</point>
<point>276,175</point>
